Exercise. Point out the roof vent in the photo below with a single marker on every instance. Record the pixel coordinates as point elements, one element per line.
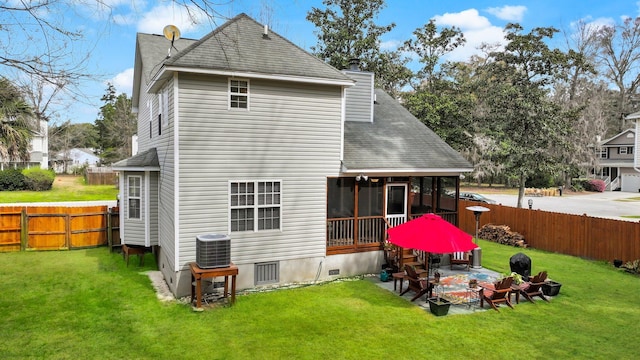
<point>265,32</point>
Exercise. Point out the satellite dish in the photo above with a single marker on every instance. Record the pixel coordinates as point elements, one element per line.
<point>171,32</point>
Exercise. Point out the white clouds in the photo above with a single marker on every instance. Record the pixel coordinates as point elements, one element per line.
<point>508,13</point>
<point>160,16</point>
<point>477,30</point>
<point>467,19</point>
<point>123,81</point>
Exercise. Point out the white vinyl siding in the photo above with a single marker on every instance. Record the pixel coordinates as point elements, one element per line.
<point>153,208</point>
<point>292,134</point>
<point>359,105</point>
<point>134,228</point>
<point>166,215</point>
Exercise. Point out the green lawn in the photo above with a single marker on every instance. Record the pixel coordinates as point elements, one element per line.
<point>87,304</point>
<point>65,188</point>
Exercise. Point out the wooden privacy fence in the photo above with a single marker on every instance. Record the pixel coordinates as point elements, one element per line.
<point>57,227</point>
<point>101,176</point>
<point>577,235</point>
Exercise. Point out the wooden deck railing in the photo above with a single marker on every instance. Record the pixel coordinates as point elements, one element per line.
<point>370,234</point>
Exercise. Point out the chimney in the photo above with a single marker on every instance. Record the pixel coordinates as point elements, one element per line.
<point>354,64</point>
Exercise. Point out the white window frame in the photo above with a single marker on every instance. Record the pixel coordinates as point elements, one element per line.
<point>623,150</point>
<point>163,107</point>
<point>233,83</point>
<point>247,195</point>
<point>603,153</point>
<point>134,197</point>
<point>150,106</point>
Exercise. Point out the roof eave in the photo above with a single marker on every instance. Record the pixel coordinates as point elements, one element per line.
<point>407,172</point>
<point>166,71</point>
<point>136,168</point>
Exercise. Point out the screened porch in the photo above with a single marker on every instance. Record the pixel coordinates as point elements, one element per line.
<point>361,209</point>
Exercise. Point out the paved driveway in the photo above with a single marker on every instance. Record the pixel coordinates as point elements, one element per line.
<point>608,204</point>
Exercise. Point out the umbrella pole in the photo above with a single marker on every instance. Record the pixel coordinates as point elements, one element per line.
<point>428,263</point>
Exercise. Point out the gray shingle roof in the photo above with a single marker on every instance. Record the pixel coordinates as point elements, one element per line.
<point>239,45</point>
<point>146,159</point>
<point>155,48</point>
<point>396,141</point>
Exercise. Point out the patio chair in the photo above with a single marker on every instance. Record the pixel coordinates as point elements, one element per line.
<point>533,287</point>
<point>499,293</point>
<point>417,285</point>
<point>460,258</point>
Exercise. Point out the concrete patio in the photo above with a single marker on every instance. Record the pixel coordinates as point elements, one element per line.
<point>453,285</point>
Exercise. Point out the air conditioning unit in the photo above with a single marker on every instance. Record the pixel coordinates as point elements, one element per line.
<point>213,251</point>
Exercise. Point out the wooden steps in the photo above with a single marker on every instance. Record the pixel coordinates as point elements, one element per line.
<point>409,258</point>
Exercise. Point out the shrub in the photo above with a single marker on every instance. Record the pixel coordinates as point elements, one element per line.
<point>595,185</point>
<point>540,181</point>
<point>11,180</point>
<point>38,179</point>
<point>577,187</point>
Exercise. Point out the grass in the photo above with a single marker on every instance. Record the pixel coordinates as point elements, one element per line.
<point>65,188</point>
<point>87,304</point>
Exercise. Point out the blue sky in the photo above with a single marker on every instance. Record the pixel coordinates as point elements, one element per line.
<point>113,41</point>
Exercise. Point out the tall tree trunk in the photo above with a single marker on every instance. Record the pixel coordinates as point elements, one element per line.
<point>521,182</point>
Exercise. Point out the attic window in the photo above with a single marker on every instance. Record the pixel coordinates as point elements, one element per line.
<point>238,94</point>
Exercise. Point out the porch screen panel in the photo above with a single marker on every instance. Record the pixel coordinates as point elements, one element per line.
<point>447,201</point>
<point>340,198</point>
<point>371,224</point>
<point>421,195</point>
<point>370,199</point>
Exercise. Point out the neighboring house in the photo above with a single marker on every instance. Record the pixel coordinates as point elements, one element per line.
<point>616,162</point>
<point>38,153</point>
<point>68,161</point>
<point>302,165</point>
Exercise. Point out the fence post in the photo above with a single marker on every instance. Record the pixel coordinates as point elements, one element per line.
<point>109,230</point>
<point>24,229</point>
<point>67,236</point>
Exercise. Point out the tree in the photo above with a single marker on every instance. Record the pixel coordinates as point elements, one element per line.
<point>521,116</point>
<point>441,98</point>
<point>67,136</point>
<point>582,89</point>
<point>619,58</point>
<point>116,125</point>
<point>346,30</point>
<point>16,124</point>
<point>39,41</point>
<point>431,45</point>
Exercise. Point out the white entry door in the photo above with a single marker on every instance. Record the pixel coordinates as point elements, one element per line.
<point>396,204</point>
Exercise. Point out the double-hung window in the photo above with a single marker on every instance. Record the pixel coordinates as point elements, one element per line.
<point>134,198</point>
<point>254,205</point>
<point>238,94</point>
<point>603,153</point>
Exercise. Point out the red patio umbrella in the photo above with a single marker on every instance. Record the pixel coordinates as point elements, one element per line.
<point>432,234</point>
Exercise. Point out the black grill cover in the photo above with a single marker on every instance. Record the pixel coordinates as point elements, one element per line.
<point>521,264</point>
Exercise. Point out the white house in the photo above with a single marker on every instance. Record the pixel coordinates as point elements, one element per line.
<point>304,166</point>
<point>67,161</point>
<point>38,153</point>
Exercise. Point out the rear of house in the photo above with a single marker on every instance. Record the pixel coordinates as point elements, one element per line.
<point>243,133</point>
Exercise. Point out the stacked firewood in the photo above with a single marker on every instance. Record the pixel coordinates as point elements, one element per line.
<point>501,234</point>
